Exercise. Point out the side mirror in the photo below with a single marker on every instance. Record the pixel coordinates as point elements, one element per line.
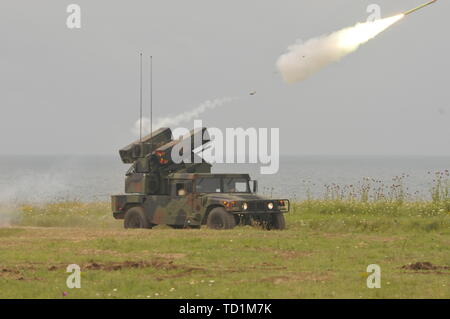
<point>255,186</point>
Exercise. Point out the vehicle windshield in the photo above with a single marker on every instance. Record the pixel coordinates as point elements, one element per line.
<point>222,185</point>
<point>208,185</point>
<point>235,185</point>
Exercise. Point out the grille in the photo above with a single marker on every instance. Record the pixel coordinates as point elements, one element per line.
<point>257,206</point>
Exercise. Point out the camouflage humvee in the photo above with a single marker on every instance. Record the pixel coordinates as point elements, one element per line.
<point>188,195</point>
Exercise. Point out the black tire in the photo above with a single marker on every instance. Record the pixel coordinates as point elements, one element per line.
<point>135,218</point>
<point>276,221</point>
<point>219,218</point>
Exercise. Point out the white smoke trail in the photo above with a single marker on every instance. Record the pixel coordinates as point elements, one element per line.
<point>171,121</point>
<point>304,59</point>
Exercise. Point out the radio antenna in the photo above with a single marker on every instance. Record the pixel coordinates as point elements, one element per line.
<point>140,98</point>
<point>151,94</point>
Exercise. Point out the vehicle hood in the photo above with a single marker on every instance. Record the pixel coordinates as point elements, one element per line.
<point>235,197</point>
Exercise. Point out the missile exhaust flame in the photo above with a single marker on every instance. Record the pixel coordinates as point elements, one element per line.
<point>304,59</point>
<point>352,38</point>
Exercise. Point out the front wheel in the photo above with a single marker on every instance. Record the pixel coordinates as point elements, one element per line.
<point>219,218</point>
<point>135,218</point>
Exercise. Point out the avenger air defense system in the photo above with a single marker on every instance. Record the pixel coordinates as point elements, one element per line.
<point>187,195</point>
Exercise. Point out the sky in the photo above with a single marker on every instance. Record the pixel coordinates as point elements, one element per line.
<point>76,91</point>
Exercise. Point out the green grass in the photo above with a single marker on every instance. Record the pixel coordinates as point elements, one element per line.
<point>323,253</point>
<point>66,214</point>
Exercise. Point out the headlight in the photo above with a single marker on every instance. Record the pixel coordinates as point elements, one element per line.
<point>244,206</point>
<point>270,206</point>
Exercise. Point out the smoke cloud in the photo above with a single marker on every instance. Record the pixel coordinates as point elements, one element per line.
<point>172,121</point>
<point>33,189</point>
<point>304,59</point>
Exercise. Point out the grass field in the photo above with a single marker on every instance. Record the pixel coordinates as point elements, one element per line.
<point>323,253</point>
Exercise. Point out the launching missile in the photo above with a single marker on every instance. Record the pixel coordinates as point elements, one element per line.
<point>419,7</point>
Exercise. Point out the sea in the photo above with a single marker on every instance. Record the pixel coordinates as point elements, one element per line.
<point>96,178</point>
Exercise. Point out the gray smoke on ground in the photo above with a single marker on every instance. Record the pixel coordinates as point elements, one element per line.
<point>173,121</point>
<point>31,188</point>
<point>8,214</point>
<point>305,59</point>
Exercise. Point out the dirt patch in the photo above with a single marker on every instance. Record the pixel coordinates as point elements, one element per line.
<point>424,266</point>
<point>265,266</point>
<point>14,274</point>
<point>130,264</point>
<point>9,271</point>
<point>114,266</point>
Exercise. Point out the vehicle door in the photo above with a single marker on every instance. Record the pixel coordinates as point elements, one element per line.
<point>180,207</point>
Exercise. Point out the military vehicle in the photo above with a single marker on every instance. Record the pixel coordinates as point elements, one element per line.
<point>187,195</point>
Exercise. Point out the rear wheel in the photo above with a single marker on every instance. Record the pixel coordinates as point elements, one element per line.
<point>135,218</point>
<point>219,218</point>
<point>276,221</point>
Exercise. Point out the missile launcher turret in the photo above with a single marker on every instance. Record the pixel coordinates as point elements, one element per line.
<point>140,148</point>
<point>152,161</point>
